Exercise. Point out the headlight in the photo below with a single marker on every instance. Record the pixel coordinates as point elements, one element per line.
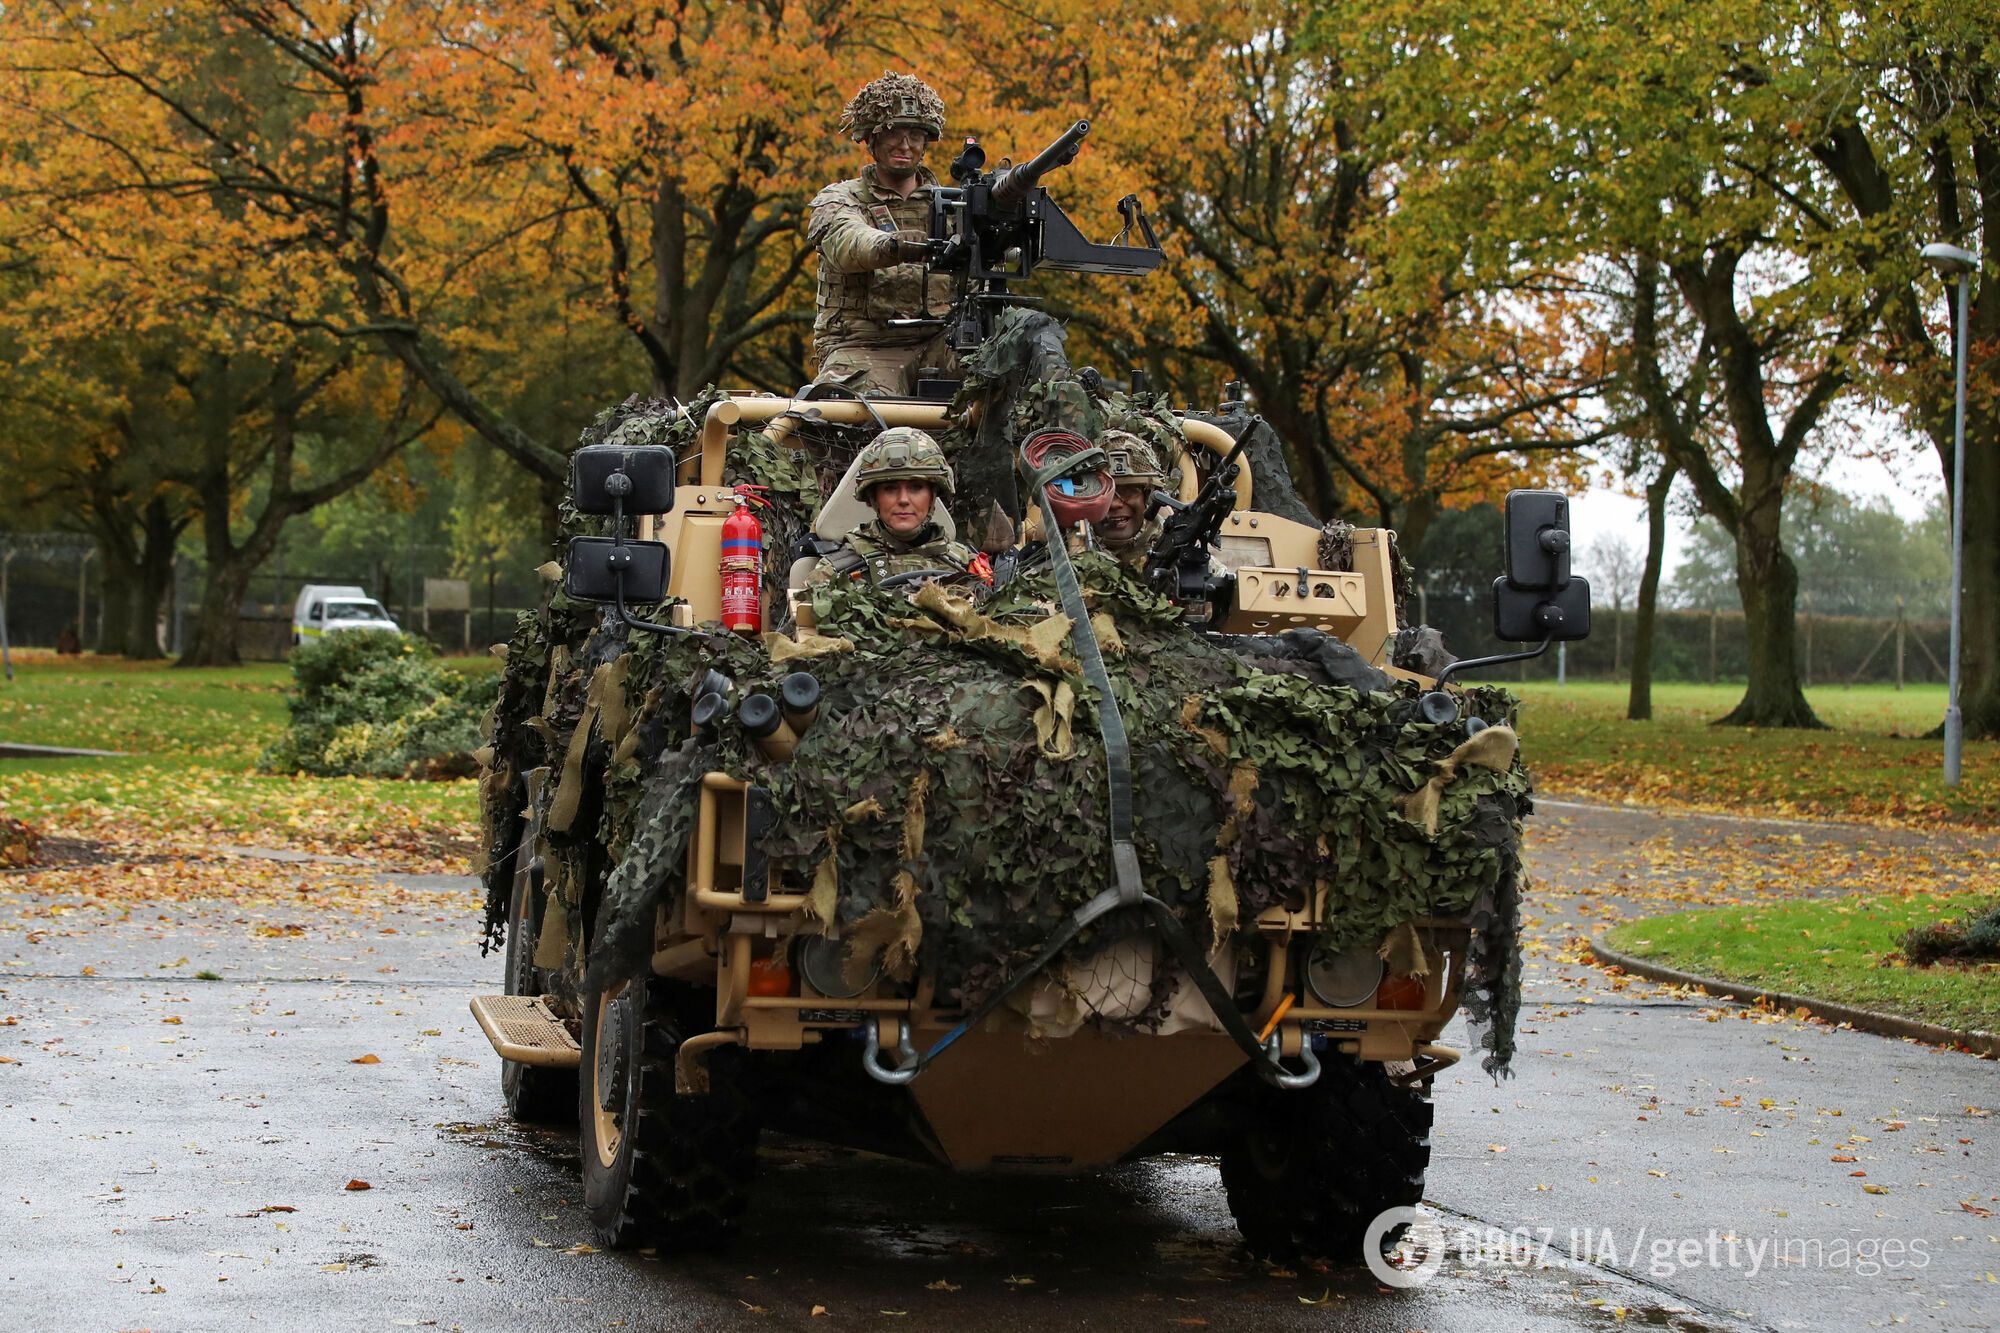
<point>1343,979</point>
<point>823,964</point>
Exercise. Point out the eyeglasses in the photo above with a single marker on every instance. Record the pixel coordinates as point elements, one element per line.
<point>903,135</point>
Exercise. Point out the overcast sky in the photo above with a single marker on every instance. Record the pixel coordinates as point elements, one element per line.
<point>1602,514</point>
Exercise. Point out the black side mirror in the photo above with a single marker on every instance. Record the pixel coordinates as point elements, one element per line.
<point>1538,539</point>
<point>618,480</point>
<point>594,568</point>
<point>1529,615</point>
<point>648,479</point>
<point>1538,599</point>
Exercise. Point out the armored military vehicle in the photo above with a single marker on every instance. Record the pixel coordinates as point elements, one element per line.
<point>1093,863</point>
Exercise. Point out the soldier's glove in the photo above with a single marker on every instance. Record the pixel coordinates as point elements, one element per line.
<point>912,247</point>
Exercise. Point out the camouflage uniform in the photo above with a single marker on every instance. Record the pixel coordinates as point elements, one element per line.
<point>871,551</point>
<point>863,231</point>
<point>1134,463</point>
<point>862,285</point>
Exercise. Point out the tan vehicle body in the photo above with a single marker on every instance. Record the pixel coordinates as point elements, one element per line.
<point>988,1105</point>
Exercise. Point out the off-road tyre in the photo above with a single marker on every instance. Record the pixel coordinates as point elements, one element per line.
<point>658,1168</point>
<point>1312,1167</point>
<point>535,1094</point>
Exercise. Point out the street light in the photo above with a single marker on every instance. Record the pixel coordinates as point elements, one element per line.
<point>1947,260</point>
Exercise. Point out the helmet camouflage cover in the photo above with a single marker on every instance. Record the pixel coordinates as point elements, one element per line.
<point>1133,462</point>
<point>892,100</point>
<point>902,453</point>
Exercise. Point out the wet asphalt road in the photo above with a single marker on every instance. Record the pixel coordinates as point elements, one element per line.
<point>193,1174</point>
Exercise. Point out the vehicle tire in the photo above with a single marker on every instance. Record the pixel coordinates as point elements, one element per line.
<point>1314,1166</point>
<point>535,1095</point>
<point>658,1168</point>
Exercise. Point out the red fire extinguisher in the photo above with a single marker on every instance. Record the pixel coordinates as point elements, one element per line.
<point>743,565</point>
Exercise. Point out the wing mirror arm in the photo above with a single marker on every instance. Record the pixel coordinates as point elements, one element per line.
<point>1476,663</point>
<point>619,485</point>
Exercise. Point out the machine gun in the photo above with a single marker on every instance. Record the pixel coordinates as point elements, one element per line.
<point>991,228</point>
<point>1178,563</point>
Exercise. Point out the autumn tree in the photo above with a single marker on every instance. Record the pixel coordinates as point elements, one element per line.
<point>1679,142</point>
<point>251,420</point>
<point>1270,160</point>
<point>81,445</point>
<point>1898,119</point>
<point>655,161</point>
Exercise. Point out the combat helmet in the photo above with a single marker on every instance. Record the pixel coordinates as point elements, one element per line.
<point>902,453</point>
<point>1133,462</point>
<point>892,100</point>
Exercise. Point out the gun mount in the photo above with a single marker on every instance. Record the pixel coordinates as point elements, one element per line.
<point>992,228</point>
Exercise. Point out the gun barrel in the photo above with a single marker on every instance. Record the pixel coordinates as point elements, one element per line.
<point>1011,188</point>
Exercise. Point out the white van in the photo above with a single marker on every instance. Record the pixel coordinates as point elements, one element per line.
<point>327,608</point>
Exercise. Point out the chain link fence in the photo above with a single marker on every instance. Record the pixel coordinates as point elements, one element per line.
<point>1705,645</point>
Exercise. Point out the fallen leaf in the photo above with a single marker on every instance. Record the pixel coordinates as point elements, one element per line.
<point>366,1060</point>
<point>941,1285</point>
<point>1876,1189</point>
<point>358,1185</point>
<point>817,1311</point>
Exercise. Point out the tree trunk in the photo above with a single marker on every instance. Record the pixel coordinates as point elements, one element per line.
<point>155,577</point>
<point>227,578</point>
<point>1768,583</point>
<point>217,641</point>
<point>118,593</point>
<point>1639,703</point>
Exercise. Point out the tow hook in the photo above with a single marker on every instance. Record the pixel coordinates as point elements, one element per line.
<point>906,1054</point>
<point>1305,1078</point>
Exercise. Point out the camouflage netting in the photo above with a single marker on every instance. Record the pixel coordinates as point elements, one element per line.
<point>893,99</point>
<point>948,808</point>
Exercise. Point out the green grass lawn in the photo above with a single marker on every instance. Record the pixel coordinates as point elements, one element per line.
<point>1871,765</point>
<point>191,741</point>
<point>1840,949</point>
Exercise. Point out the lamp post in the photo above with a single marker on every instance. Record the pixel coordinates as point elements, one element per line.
<point>1949,260</point>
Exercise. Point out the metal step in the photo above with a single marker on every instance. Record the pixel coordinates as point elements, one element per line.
<point>525,1030</point>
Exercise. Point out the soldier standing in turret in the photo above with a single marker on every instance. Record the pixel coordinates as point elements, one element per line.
<point>870,233</point>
